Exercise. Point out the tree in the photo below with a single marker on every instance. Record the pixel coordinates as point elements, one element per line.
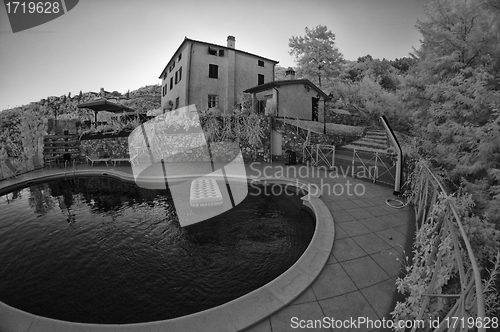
<point>404,64</point>
<point>452,95</point>
<point>459,34</point>
<point>317,56</point>
<point>366,58</point>
<point>279,73</point>
<point>32,129</point>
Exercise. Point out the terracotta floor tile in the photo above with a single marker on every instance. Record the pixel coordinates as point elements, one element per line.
<point>348,307</point>
<point>390,260</point>
<point>333,281</point>
<point>306,297</point>
<point>354,227</point>
<point>283,320</point>
<point>364,271</point>
<point>345,249</point>
<point>341,216</point>
<point>377,211</point>
<point>263,326</point>
<point>374,224</point>
<point>392,237</point>
<point>371,243</point>
<point>360,213</point>
<point>339,233</point>
<point>380,297</point>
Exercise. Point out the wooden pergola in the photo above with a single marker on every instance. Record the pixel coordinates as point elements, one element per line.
<point>100,105</point>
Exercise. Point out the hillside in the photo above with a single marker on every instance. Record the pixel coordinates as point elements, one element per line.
<point>65,106</point>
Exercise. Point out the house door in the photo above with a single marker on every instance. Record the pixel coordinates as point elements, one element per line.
<point>261,107</point>
<point>315,102</point>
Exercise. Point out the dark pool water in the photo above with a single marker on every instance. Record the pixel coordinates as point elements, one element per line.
<point>98,250</point>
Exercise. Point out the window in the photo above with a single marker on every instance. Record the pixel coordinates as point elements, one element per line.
<point>213,71</point>
<point>260,79</point>
<point>215,52</point>
<point>180,57</point>
<point>213,101</point>
<point>261,106</point>
<point>178,75</point>
<point>177,103</point>
<point>212,51</point>
<point>165,89</point>
<point>171,82</point>
<point>172,67</point>
<point>260,63</point>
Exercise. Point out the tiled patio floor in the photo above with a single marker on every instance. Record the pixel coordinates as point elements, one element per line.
<point>358,280</point>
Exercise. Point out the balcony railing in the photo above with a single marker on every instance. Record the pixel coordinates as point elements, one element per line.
<point>447,251</point>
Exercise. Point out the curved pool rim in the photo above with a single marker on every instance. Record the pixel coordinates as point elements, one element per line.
<point>235,315</point>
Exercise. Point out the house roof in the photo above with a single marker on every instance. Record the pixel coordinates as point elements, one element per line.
<point>277,84</point>
<point>186,40</point>
<point>105,105</point>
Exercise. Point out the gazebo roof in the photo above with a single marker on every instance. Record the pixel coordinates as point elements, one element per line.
<point>105,105</point>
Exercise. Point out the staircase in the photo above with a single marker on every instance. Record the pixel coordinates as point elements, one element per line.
<point>375,140</point>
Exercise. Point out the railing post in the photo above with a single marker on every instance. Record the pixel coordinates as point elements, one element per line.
<point>353,155</point>
<point>333,157</point>
<point>399,166</point>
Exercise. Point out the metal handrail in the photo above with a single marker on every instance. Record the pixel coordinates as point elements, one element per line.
<point>429,191</point>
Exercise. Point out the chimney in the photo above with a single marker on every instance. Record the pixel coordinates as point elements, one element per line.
<point>290,73</point>
<point>230,41</point>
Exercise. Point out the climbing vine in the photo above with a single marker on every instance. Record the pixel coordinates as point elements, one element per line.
<point>435,264</point>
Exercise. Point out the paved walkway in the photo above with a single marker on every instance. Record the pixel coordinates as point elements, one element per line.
<point>359,278</point>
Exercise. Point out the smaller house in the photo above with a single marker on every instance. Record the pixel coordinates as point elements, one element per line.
<point>290,98</point>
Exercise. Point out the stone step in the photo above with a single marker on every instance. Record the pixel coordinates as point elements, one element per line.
<point>364,148</point>
<point>371,134</point>
<point>375,134</point>
<point>369,144</point>
<point>375,140</point>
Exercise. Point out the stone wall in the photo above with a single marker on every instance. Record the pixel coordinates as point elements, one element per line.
<point>182,148</point>
<point>344,119</point>
<point>116,147</point>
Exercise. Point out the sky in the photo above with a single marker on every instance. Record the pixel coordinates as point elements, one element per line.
<point>122,45</point>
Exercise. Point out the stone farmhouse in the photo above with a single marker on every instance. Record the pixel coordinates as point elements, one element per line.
<point>210,75</point>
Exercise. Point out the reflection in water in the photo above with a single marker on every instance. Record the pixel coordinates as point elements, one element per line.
<point>40,198</point>
<point>115,253</point>
<point>103,194</point>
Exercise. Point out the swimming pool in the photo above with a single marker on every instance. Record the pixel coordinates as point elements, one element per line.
<point>99,250</point>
